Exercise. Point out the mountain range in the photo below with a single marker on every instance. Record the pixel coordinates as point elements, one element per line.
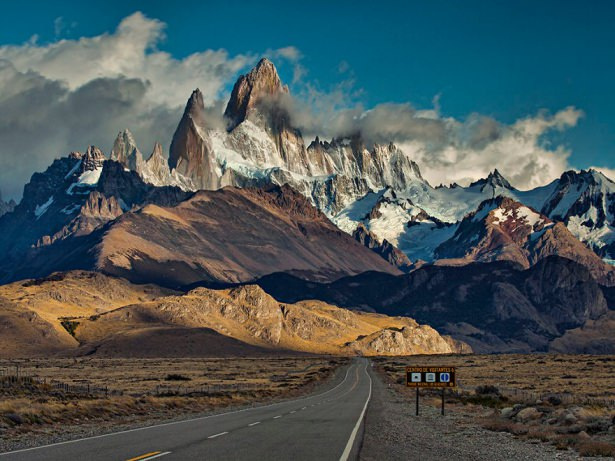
<point>352,183</point>
<point>495,267</point>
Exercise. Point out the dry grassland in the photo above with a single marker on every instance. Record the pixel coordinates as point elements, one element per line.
<point>146,389</point>
<point>583,376</point>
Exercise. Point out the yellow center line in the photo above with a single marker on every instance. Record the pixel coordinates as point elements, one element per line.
<point>147,455</point>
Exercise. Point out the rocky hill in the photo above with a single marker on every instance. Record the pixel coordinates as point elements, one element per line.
<point>251,316</point>
<point>32,311</point>
<point>85,313</point>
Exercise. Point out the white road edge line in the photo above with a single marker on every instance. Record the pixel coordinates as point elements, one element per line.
<point>254,424</point>
<point>353,435</point>
<point>217,435</point>
<point>174,422</point>
<point>157,456</point>
<point>294,411</point>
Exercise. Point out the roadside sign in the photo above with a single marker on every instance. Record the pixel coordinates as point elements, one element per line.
<point>440,377</point>
<point>430,377</point>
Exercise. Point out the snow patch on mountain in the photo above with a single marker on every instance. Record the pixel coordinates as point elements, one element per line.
<point>40,210</point>
<point>90,178</point>
<point>86,180</point>
<point>522,213</point>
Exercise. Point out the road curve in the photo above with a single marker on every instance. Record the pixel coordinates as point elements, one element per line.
<point>325,425</point>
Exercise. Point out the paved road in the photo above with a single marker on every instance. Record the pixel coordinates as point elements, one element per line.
<point>323,426</point>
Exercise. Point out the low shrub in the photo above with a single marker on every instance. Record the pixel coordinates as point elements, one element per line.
<point>487,389</point>
<point>177,377</point>
<point>596,448</point>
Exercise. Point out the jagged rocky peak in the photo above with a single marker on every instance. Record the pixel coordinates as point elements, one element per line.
<point>191,153</point>
<point>6,207</point>
<point>494,180</point>
<point>156,154</point>
<point>262,81</point>
<point>156,169</point>
<point>125,151</point>
<point>99,205</point>
<point>93,159</point>
<point>317,145</point>
<point>195,107</point>
<point>591,177</point>
<point>75,155</point>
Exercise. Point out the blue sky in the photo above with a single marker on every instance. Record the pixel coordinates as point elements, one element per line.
<point>505,60</point>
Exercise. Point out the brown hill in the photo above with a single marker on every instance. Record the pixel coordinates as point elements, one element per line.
<point>229,235</point>
<point>225,236</point>
<point>32,311</point>
<point>23,333</point>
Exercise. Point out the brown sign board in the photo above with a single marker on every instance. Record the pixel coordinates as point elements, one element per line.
<point>430,377</point>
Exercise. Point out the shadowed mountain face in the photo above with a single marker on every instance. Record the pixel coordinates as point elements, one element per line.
<point>231,235</point>
<point>384,249</point>
<point>494,307</point>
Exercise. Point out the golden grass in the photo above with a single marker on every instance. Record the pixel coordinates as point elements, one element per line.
<point>142,376</point>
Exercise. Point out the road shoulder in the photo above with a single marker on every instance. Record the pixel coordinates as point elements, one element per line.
<point>393,432</point>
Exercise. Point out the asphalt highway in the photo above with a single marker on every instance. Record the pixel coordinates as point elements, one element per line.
<point>326,425</point>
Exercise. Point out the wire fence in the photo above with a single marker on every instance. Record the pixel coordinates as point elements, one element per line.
<point>20,379</point>
<point>209,389</point>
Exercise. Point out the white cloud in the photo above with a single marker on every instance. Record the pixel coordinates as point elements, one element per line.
<point>608,172</point>
<point>131,52</point>
<point>446,149</point>
<point>480,144</point>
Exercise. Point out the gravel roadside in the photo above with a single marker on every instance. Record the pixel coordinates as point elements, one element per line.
<point>392,432</point>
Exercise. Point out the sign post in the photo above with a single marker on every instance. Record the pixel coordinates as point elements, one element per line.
<point>417,401</point>
<point>430,377</point>
<point>443,400</point>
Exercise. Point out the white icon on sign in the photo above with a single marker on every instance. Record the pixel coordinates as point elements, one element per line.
<point>430,377</point>
<point>415,378</point>
<point>445,377</point>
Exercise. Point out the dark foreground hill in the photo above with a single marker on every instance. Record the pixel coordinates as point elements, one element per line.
<point>494,307</point>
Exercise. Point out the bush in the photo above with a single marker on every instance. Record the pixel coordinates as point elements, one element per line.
<point>176,377</point>
<point>486,400</point>
<point>554,400</point>
<point>70,326</point>
<point>487,390</point>
<point>596,448</point>
<point>14,418</point>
